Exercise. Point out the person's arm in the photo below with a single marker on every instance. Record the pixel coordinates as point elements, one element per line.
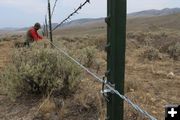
<point>35,35</point>
<point>39,36</point>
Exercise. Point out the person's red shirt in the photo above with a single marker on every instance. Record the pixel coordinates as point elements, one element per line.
<point>34,34</point>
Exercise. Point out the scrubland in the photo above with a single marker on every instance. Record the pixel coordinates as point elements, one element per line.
<point>41,83</point>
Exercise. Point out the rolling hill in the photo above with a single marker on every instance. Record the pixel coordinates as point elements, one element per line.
<point>153,15</point>
<point>153,12</point>
<point>168,21</point>
<point>138,23</point>
<point>167,18</point>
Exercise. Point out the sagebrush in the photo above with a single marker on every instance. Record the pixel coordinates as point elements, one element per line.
<point>42,71</point>
<point>151,53</point>
<point>174,51</point>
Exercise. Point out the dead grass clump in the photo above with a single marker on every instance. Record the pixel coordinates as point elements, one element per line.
<point>4,39</point>
<point>157,39</point>
<point>10,38</point>
<point>145,101</point>
<point>19,44</point>
<point>131,35</point>
<point>68,39</point>
<point>50,109</point>
<point>151,53</point>
<point>39,71</point>
<point>174,51</point>
<point>132,86</point>
<point>140,38</point>
<point>87,56</point>
<point>1,40</point>
<point>87,102</point>
<point>100,42</point>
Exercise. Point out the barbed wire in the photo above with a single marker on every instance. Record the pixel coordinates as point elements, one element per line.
<point>72,14</point>
<point>54,6</point>
<point>136,107</point>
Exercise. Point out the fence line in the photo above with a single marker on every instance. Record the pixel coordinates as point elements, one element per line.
<point>108,85</point>
<point>136,107</point>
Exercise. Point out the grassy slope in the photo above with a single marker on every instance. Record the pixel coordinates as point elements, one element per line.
<point>141,23</point>
<point>170,22</point>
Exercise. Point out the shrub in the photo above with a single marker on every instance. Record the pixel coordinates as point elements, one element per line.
<point>151,53</point>
<point>68,39</point>
<point>132,86</point>
<point>87,56</point>
<point>39,71</point>
<point>100,42</point>
<point>131,35</point>
<point>1,40</point>
<point>19,44</point>
<point>174,51</point>
<point>6,39</point>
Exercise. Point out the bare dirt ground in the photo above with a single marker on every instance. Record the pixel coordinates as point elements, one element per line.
<point>21,109</point>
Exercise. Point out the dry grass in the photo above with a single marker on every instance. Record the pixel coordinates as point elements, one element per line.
<point>147,80</point>
<point>148,83</point>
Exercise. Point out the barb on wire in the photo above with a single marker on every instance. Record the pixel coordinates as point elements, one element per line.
<point>136,107</point>
<point>73,13</point>
<point>54,7</point>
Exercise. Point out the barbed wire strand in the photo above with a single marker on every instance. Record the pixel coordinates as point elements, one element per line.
<point>136,107</point>
<point>54,6</point>
<point>72,14</point>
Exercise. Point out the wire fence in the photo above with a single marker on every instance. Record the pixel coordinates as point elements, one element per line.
<point>136,107</point>
<point>108,86</point>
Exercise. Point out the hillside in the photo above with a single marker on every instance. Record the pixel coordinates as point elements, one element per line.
<point>168,21</point>
<point>144,19</point>
<point>153,15</point>
<point>153,12</point>
<point>140,23</point>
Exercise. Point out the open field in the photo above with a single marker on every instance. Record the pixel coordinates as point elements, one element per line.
<point>152,71</point>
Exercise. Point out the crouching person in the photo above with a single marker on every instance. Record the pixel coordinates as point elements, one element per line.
<point>32,35</point>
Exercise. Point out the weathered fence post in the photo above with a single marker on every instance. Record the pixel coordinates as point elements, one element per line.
<point>46,27</point>
<point>50,23</point>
